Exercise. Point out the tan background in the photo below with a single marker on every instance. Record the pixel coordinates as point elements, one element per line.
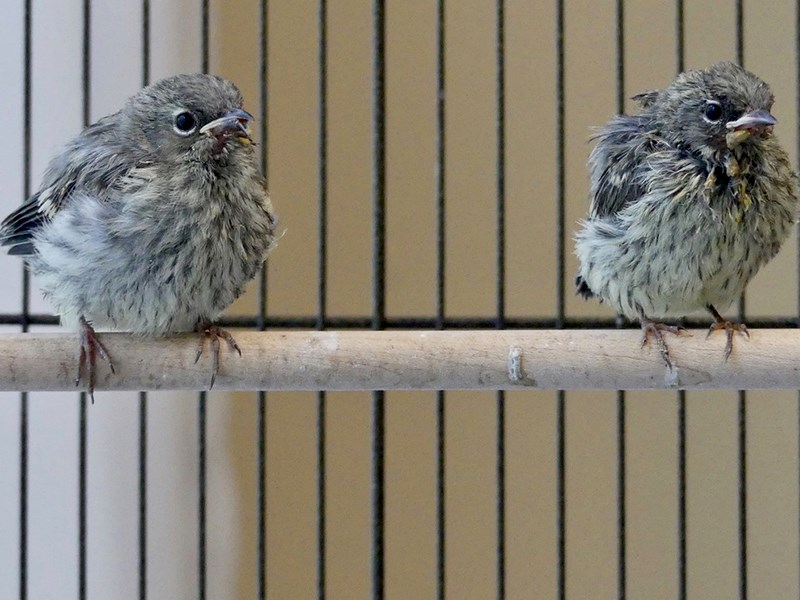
<point>772,459</point>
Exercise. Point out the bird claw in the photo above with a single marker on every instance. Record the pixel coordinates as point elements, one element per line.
<point>653,329</point>
<point>729,328</point>
<point>214,333</point>
<point>90,347</point>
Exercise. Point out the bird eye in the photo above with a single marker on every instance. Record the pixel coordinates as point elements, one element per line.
<point>185,123</point>
<point>713,111</point>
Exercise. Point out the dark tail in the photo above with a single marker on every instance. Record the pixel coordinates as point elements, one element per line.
<point>18,228</point>
<point>582,288</point>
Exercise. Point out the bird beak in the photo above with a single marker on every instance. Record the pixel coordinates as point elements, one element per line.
<point>233,123</point>
<point>752,121</point>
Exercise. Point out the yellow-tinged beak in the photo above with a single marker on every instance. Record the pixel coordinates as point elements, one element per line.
<point>756,121</point>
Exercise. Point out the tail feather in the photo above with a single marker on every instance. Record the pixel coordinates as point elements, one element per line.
<point>582,288</point>
<point>18,229</point>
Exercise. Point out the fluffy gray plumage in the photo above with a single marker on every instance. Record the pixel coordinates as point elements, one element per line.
<point>154,218</point>
<point>689,198</point>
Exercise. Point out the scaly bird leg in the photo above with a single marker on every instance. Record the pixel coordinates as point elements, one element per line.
<point>90,347</point>
<point>728,326</point>
<point>652,330</point>
<point>213,333</point>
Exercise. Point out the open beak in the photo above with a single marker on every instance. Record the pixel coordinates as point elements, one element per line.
<point>233,123</point>
<point>755,120</point>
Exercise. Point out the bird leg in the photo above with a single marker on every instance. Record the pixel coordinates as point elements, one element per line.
<point>728,326</point>
<point>214,333</point>
<point>90,347</point>
<point>652,330</point>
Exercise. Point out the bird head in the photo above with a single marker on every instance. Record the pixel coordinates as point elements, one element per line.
<point>190,117</point>
<point>713,110</point>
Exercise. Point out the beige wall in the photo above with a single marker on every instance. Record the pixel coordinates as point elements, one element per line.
<point>470,269</point>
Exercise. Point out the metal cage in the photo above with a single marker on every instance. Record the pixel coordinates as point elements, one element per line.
<point>431,158</point>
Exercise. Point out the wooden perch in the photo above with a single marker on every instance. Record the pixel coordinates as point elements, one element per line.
<point>418,360</point>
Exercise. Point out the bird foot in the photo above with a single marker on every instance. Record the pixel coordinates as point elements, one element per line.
<point>729,328</point>
<point>90,347</point>
<point>214,333</point>
<point>652,330</point>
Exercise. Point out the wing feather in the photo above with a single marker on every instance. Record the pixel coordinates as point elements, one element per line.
<point>95,162</point>
<point>615,164</point>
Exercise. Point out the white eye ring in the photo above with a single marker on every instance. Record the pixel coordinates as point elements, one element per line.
<point>184,123</point>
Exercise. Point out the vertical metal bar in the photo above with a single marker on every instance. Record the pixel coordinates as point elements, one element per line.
<point>321,471</point>
<point>263,131</point>
<point>86,66</point>
<point>145,42</point>
<point>378,286</point>
<point>26,154</point>
<point>620,51</point>
<point>680,47</point>
<point>621,472</point>
<point>742,496</point>
<point>680,35</point>
<point>23,397</point>
<point>560,167</point>
<point>561,495</point>
<point>205,52</point>
<point>378,422</point>
<point>142,495</point>
<point>201,496</point>
<point>322,290</point>
<point>500,291</point>
<point>441,538</point>
<point>202,396</point>
<point>82,497</point>
<point>501,166</point>
<point>143,395</point>
<point>23,497</point>
<point>263,108</point>
<point>621,514</point>
<point>379,168</point>
<point>322,222</point>
<point>82,434</point>
<point>261,400</point>
<point>742,394</point>
<point>682,588</point>
<point>740,32</point>
<point>261,497</point>
<point>561,515</point>
<point>501,496</point>
<point>441,134</point>
<point>739,26</point>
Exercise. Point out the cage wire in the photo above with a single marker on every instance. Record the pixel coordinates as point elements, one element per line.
<point>446,495</point>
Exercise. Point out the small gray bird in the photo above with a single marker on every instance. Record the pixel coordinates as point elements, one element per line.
<point>689,198</point>
<point>152,220</point>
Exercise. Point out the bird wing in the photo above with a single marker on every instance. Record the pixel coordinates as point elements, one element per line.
<point>94,162</point>
<point>616,164</point>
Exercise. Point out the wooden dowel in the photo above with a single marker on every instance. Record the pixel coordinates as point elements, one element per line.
<point>418,360</point>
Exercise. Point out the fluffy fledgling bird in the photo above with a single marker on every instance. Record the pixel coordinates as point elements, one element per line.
<point>152,220</point>
<point>689,198</point>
